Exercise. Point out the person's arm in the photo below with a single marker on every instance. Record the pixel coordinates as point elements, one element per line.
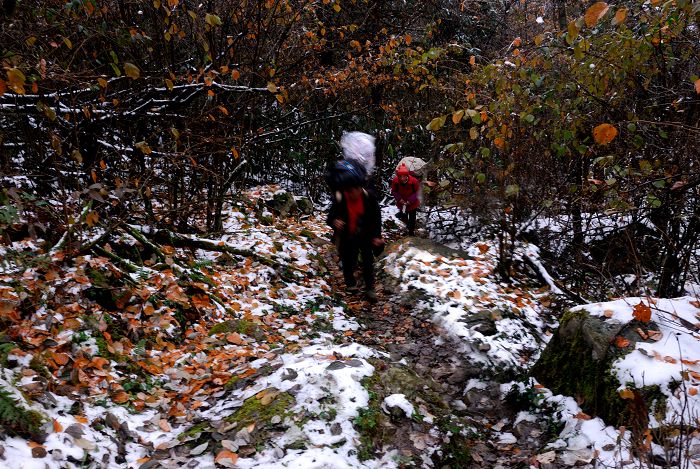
<point>333,213</point>
<point>376,232</point>
<point>395,189</point>
<point>413,198</point>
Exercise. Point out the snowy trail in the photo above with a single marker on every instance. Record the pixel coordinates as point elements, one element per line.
<point>416,341</point>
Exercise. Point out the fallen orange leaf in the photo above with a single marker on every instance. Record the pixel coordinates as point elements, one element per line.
<point>120,397</point>
<point>57,427</point>
<point>226,455</point>
<point>626,394</point>
<point>642,312</point>
<point>621,342</point>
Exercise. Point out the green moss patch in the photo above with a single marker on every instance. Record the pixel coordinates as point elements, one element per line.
<point>578,362</point>
<point>16,420</point>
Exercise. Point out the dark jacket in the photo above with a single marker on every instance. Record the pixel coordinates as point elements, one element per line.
<point>369,224</point>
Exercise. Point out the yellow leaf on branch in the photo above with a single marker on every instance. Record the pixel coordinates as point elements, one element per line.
<point>131,70</point>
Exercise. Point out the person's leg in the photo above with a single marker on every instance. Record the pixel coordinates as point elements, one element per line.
<point>348,251</point>
<point>411,222</point>
<point>368,270</point>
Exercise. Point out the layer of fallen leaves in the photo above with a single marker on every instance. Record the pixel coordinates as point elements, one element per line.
<point>148,343</point>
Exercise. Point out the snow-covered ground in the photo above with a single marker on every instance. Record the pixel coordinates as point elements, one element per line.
<point>263,339</point>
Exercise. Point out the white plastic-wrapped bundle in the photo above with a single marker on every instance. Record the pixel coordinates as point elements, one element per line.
<point>359,147</point>
<point>415,165</point>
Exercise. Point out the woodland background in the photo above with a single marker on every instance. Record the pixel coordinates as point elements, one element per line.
<point>571,124</point>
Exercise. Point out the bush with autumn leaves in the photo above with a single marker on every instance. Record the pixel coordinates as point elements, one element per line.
<point>160,110</point>
<point>591,127</point>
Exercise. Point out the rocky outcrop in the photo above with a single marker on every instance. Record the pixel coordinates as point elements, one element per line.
<point>578,362</point>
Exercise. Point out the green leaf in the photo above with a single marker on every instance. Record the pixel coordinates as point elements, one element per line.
<point>653,201</point>
<point>116,70</point>
<point>212,20</point>
<point>512,190</point>
<point>480,178</point>
<point>437,123</point>
<point>529,118</point>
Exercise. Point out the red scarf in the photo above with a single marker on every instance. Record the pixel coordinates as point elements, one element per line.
<point>355,209</point>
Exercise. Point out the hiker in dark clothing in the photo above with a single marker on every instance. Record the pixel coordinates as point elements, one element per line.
<point>357,225</point>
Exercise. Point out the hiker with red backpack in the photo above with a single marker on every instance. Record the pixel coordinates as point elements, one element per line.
<point>357,224</point>
<point>406,191</point>
<point>354,214</point>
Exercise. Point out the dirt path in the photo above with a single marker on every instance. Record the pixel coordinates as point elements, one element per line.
<point>423,362</point>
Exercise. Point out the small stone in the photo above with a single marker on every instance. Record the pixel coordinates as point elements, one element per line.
<point>336,365</point>
<point>75,430</point>
<point>230,445</point>
<point>149,464</point>
<point>354,362</point>
<point>246,451</point>
<point>278,453</point>
<point>56,454</point>
<point>112,421</point>
<point>484,347</point>
<point>2,452</point>
<point>38,452</point>
<point>244,435</point>
<point>336,429</point>
<point>275,419</point>
<point>289,375</point>
<point>197,450</point>
<point>457,376</point>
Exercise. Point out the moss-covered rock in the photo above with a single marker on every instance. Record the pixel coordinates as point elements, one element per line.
<point>282,203</point>
<point>305,206</point>
<point>578,362</point>
<point>15,419</point>
<point>261,410</point>
<point>242,326</point>
<point>432,247</point>
<point>377,429</point>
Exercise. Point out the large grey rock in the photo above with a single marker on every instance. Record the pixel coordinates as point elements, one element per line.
<point>578,362</point>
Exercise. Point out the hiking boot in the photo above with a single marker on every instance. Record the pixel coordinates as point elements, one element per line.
<point>371,295</point>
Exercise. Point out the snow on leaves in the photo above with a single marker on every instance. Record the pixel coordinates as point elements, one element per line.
<point>465,294</point>
<point>168,343</point>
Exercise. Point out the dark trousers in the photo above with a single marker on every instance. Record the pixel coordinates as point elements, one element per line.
<point>411,223</point>
<point>349,250</point>
<point>409,218</point>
